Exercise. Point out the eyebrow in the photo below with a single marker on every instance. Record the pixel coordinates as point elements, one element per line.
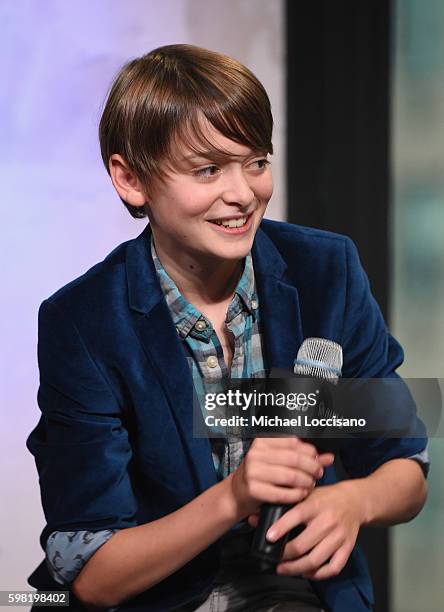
<point>214,155</point>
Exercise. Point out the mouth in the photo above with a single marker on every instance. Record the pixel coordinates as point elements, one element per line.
<point>233,225</point>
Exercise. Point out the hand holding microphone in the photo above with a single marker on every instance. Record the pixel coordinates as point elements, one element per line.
<point>278,471</point>
<point>321,360</point>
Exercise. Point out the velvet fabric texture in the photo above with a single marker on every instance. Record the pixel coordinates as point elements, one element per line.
<point>114,446</point>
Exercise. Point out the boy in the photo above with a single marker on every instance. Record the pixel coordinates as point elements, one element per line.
<point>140,514</point>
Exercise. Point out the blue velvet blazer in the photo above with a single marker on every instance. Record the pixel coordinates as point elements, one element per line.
<point>114,445</point>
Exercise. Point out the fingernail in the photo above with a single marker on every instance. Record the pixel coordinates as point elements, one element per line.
<point>271,535</point>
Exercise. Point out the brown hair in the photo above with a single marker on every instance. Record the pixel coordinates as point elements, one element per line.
<point>157,100</point>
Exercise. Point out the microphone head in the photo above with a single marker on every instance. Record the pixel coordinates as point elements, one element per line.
<point>320,358</point>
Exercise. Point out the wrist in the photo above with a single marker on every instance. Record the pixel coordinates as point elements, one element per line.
<point>359,498</point>
<point>232,507</point>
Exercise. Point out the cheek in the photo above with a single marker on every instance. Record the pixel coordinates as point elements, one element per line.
<point>192,203</point>
<point>264,187</point>
<point>266,190</point>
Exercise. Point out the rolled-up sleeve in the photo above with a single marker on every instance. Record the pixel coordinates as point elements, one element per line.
<point>68,551</point>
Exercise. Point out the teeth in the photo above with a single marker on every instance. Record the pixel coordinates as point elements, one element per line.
<point>232,222</point>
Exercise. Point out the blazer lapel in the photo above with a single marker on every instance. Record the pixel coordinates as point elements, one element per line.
<point>164,350</point>
<point>279,304</point>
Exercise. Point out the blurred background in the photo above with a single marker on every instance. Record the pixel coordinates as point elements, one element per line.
<point>357,89</point>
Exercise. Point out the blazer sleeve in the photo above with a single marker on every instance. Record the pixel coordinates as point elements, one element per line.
<point>371,352</point>
<point>80,445</point>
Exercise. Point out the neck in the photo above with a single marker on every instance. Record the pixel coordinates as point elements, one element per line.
<point>202,282</point>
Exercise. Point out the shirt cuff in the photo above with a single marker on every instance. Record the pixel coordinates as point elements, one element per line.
<point>423,460</point>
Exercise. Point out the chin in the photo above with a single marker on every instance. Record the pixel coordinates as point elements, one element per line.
<point>234,254</point>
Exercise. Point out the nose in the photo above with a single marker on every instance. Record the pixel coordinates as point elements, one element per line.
<point>236,188</point>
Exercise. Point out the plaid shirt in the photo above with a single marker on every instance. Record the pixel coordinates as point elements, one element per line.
<point>204,351</point>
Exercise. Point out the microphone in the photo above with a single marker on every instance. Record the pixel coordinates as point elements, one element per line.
<point>321,359</point>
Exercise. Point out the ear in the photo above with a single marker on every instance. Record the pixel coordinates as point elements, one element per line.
<point>125,181</point>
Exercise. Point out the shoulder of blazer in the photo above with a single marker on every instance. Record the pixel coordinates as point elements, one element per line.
<point>285,235</point>
<point>107,281</point>
<point>309,254</point>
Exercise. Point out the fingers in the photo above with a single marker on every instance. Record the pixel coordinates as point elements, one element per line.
<point>293,517</point>
<point>334,566</point>
<point>289,442</point>
<point>277,471</point>
<point>326,459</point>
<point>315,532</point>
<point>280,475</point>
<point>304,469</point>
<point>311,563</point>
<point>265,492</point>
<point>292,453</point>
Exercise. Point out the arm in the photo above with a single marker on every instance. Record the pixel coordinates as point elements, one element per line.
<point>135,559</point>
<point>394,493</point>
<point>385,486</point>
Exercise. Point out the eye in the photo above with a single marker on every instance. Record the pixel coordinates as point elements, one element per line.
<point>259,164</point>
<point>207,172</point>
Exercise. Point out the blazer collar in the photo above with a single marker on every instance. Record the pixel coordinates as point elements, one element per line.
<point>144,290</point>
<point>279,303</point>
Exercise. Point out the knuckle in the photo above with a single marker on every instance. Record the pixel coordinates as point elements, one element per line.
<point>330,518</point>
<point>295,549</point>
<point>290,479</point>
<point>335,568</point>
<point>311,564</point>
<point>294,479</point>
<point>295,460</point>
<point>342,533</point>
<point>302,494</point>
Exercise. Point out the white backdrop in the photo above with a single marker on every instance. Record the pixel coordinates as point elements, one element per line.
<point>60,214</point>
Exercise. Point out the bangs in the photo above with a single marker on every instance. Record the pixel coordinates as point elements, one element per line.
<point>193,133</point>
<point>238,119</point>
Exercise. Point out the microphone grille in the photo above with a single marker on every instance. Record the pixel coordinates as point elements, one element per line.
<point>320,358</point>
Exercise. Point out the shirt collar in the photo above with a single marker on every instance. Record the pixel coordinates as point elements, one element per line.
<point>185,315</point>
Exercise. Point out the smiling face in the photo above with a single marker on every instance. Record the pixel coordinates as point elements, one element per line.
<point>211,203</point>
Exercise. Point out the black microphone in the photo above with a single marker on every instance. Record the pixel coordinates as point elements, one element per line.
<point>321,360</point>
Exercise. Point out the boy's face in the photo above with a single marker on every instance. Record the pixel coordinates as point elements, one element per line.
<point>204,193</point>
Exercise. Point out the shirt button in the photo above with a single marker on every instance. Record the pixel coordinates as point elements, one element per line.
<point>253,304</point>
<point>212,361</point>
<point>200,325</point>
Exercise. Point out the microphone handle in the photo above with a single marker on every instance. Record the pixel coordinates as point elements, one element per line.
<point>268,554</point>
